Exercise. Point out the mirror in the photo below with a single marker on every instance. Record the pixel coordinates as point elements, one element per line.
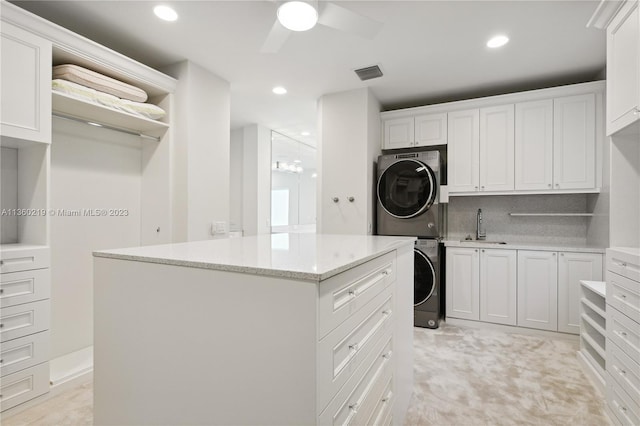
<point>293,185</point>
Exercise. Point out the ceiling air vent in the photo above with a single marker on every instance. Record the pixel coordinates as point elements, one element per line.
<point>369,72</point>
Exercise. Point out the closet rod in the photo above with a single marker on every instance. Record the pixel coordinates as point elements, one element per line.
<point>105,126</point>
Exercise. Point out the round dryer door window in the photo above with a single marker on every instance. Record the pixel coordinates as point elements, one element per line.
<point>424,278</point>
<point>407,188</point>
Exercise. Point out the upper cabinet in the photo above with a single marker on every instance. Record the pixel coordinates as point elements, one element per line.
<point>623,68</point>
<point>534,145</point>
<point>464,147</point>
<point>496,148</point>
<point>26,86</point>
<point>415,131</point>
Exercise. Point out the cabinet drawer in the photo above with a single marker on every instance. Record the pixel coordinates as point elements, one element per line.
<point>343,295</point>
<point>624,295</point>
<point>623,332</point>
<point>25,286</point>
<point>347,406</point>
<point>341,352</point>
<point>21,320</point>
<point>624,370</point>
<point>24,385</point>
<point>621,405</point>
<point>623,263</point>
<point>24,352</point>
<point>15,258</point>
<point>381,414</point>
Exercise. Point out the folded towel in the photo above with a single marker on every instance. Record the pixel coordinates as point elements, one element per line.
<point>100,82</point>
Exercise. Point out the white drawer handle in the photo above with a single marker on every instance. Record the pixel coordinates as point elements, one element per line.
<point>352,293</point>
<point>354,407</point>
<point>624,296</point>
<point>386,312</point>
<point>354,347</point>
<point>623,409</point>
<point>388,397</point>
<point>623,372</point>
<point>623,333</point>
<point>387,355</point>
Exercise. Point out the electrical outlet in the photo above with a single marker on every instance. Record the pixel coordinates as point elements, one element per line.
<point>221,227</point>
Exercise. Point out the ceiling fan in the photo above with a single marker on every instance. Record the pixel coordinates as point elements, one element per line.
<point>324,13</point>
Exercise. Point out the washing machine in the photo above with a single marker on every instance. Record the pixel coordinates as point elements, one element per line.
<point>407,191</point>
<point>427,290</point>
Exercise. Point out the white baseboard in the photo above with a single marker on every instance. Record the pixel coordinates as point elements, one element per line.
<point>512,329</point>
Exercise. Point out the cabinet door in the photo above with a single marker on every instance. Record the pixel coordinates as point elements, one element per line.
<point>462,283</point>
<point>623,68</point>
<point>398,133</point>
<point>538,289</point>
<point>572,268</point>
<point>574,142</point>
<point>463,150</point>
<point>534,145</point>
<point>26,85</point>
<point>431,129</point>
<point>498,286</point>
<point>496,148</point>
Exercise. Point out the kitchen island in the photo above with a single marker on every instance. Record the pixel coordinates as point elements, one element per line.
<point>274,329</point>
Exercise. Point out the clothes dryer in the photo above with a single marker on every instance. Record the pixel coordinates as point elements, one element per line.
<point>408,189</point>
<point>427,290</point>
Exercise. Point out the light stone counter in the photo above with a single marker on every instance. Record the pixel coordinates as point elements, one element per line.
<point>313,257</point>
<point>525,246</point>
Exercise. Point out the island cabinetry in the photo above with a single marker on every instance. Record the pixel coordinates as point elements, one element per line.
<point>623,335</point>
<point>314,351</point>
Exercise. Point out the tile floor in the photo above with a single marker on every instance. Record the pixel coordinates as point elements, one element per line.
<point>463,377</point>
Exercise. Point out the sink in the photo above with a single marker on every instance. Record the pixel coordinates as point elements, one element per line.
<point>482,242</point>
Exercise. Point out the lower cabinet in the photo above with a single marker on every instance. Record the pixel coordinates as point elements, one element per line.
<point>526,288</point>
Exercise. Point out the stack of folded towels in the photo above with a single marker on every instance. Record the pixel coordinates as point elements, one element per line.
<point>87,85</point>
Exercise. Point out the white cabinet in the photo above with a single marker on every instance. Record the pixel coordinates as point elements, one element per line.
<point>534,145</point>
<point>498,278</point>
<point>593,328</point>
<point>26,85</point>
<point>497,148</point>
<point>463,151</point>
<point>623,68</point>
<point>538,289</point>
<point>463,283</point>
<point>574,144</point>
<point>572,268</point>
<point>415,131</point>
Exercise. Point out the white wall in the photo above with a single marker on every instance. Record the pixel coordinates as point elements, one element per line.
<point>256,183</point>
<point>349,143</point>
<point>236,179</point>
<point>90,169</point>
<point>9,194</point>
<point>201,157</point>
<point>625,191</point>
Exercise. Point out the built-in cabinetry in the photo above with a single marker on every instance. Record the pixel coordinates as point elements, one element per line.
<point>415,131</point>
<point>623,68</point>
<point>543,141</point>
<point>528,288</point>
<point>623,335</point>
<point>593,328</point>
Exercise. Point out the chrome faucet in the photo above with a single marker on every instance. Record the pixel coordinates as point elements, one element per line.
<point>481,234</point>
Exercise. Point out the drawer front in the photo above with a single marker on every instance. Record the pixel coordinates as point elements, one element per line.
<point>623,264</point>
<point>342,351</point>
<point>22,320</point>
<point>23,259</point>
<point>25,286</point>
<point>383,404</point>
<point>348,406</point>
<point>621,405</point>
<point>624,370</point>
<point>624,295</point>
<point>25,352</point>
<point>623,332</point>
<point>24,385</point>
<point>343,295</point>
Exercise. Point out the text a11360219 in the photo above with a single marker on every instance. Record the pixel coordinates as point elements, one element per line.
<point>81,212</point>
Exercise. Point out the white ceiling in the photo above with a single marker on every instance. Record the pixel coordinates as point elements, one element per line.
<point>429,51</point>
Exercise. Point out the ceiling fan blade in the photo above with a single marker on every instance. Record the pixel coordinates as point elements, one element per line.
<point>275,39</point>
<point>342,19</point>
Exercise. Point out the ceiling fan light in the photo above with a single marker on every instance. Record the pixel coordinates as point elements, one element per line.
<point>297,15</point>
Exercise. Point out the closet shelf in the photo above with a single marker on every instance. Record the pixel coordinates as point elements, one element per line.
<point>553,214</point>
<point>69,107</point>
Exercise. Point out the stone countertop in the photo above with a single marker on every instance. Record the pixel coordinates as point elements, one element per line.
<point>312,257</point>
<point>526,246</point>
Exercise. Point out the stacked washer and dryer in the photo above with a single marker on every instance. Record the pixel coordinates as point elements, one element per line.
<point>408,190</point>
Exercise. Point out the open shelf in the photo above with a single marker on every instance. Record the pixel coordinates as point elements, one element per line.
<point>68,106</point>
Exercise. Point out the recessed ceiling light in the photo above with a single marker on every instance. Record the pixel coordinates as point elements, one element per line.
<point>165,13</point>
<point>497,41</point>
<point>279,90</point>
<point>305,133</point>
<point>297,15</point>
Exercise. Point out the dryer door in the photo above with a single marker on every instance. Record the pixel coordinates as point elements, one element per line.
<point>407,188</point>
<point>424,278</point>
